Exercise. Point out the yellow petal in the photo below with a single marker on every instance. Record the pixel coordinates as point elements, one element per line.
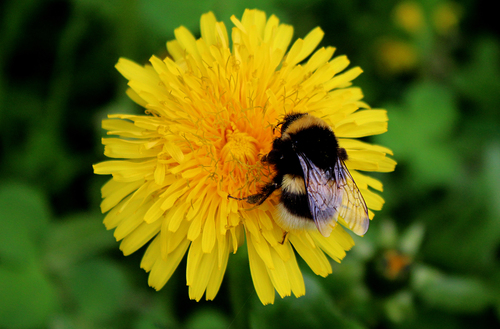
<point>303,48</point>
<point>113,197</point>
<point>151,255</point>
<point>353,144</point>
<point>123,128</point>
<point>199,270</point>
<point>207,28</point>
<point>343,79</point>
<point>163,269</point>
<point>336,244</point>
<point>261,281</point>
<point>218,272</point>
<point>172,239</point>
<point>366,181</point>
<point>373,200</point>
<point>279,276</point>
<point>119,148</point>
<point>295,275</point>
<point>154,212</point>
<point>129,223</point>
<point>370,161</point>
<point>139,237</point>
<point>320,57</point>
<point>187,41</point>
<point>208,238</point>
<point>263,250</point>
<point>314,257</point>
<point>133,71</point>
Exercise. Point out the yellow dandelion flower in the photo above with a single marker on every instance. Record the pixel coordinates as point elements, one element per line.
<point>395,56</point>
<point>410,16</point>
<point>210,112</point>
<point>446,17</point>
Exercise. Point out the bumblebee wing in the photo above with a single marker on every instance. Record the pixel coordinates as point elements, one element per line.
<point>333,194</point>
<point>324,197</point>
<point>353,207</point>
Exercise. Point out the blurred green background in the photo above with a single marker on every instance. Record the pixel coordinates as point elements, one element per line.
<point>430,259</point>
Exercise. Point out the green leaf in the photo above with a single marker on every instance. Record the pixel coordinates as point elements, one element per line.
<point>411,239</point>
<point>495,279</point>
<point>473,218</point>
<point>207,319</point>
<point>478,80</point>
<point>25,217</point>
<point>491,177</point>
<point>24,286</point>
<point>420,131</point>
<point>165,16</point>
<point>450,292</point>
<point>158,313</point>
<point>77,238</point>
<point>314,310</point>
<point>28,300</point>
<point>99,288</point>
<point>432,109</point>
<point>240,287</point>
<point>400,307</point>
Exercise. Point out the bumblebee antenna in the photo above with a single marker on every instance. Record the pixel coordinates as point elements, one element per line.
<point>285,236</point>
<point>278,125</point>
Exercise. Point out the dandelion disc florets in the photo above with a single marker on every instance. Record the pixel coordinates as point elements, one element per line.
<point>210,111</point>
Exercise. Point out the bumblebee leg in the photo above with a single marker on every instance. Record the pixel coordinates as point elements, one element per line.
<point>342,154</point>
<point>266,191</point>
<point>259,198</point>
<point>229,196</point>
<point>285,234</point>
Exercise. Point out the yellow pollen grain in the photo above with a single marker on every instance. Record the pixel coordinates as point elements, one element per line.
<point>239,160</point>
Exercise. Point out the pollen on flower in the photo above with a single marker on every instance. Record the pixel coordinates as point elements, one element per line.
<point>238,154</point>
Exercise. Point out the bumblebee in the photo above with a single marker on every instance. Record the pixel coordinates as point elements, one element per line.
<point>316,186</point>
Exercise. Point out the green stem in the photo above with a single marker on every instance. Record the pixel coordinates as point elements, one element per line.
<point>63,77</point>
<point>240,288</point>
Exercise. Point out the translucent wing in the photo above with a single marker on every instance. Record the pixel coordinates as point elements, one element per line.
<point>323,196</point>
<point>333,194</point>
<point>353,208</point>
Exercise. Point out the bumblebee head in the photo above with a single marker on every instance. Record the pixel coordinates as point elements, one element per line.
<point>287,120</point>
